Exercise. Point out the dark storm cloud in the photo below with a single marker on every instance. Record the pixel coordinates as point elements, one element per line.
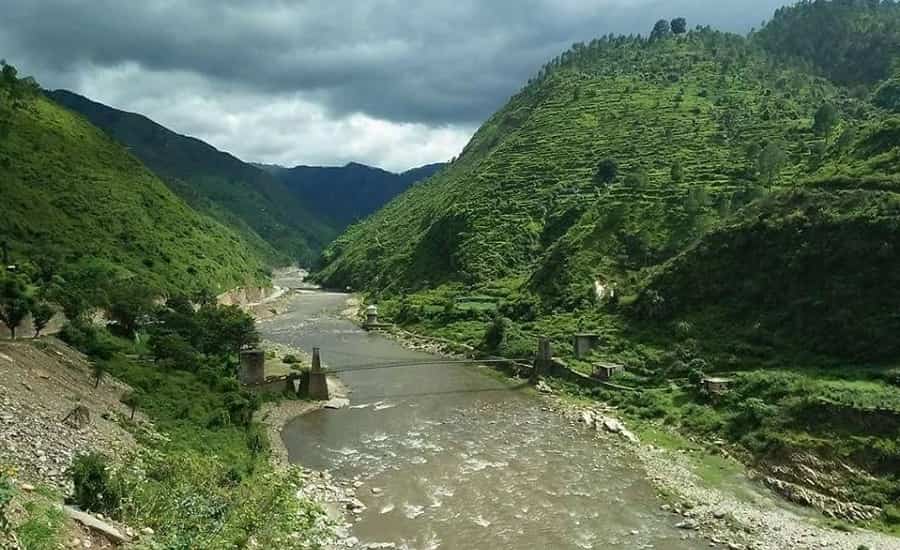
<point>432,62</point>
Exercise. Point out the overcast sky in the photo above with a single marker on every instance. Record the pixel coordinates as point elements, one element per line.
<point>392,83</point>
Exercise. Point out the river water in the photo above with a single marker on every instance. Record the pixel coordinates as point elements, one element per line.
<point>457,457</point>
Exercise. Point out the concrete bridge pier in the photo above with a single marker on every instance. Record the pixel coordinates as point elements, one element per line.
<point>318,382</point>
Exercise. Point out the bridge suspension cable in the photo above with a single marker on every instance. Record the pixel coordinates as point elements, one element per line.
<point>418,363</point>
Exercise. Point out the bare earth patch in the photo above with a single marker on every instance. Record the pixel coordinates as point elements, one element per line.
<point>41,383</point>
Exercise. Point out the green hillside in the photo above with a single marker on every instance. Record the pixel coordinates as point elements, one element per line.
<point>72,196</point>
<point>741,202</point>
<point>255,204</point>
<point>686,120</point>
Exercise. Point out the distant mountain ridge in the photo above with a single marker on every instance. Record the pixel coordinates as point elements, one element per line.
<point>345,194</point>
<point>276,223</point>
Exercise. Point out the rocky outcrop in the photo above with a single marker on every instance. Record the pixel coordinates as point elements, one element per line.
<point>600,420</point>
<point>830,506</point>
<point>247,296</point>
<point>812,481</point>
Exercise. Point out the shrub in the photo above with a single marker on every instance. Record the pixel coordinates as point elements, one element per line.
<point>892,377</point>
<point>94,342</point>
<point>891,514</point>
<point>638,179</point>
<point>695,377</point>
<point>95,489</point>
<point>291,359</point>
<point>495,335</point>
<point>41,313</point>
<point>607,170</point>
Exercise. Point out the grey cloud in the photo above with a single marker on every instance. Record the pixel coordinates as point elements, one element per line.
<point>432,62</point>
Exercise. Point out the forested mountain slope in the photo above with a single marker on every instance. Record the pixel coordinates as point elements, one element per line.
<point>852,42</point>
<point>345,194</point>
<point>72,196</point>
<point>653,140</point>
<point>251,201</point>
<point>707,204</point>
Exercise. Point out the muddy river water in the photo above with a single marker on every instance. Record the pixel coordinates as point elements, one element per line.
<point>453,457</point>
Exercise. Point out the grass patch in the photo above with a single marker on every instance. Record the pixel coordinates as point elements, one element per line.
<point>44,528</point>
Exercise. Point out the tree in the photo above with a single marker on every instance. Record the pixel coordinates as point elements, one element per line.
<point>661,30</point>
<point>41,313</point>
<point>607,171</point>
<point>174,351</point>
<point>887,96</point>
<point>15,303</point>
<point>847,138</point>
<point>226,329</point>
<point>771,161</point>
<point>677,172</point>
<point>8,74</point>
<point>82,287</point>
<point>99,371</point>
<point>679,25</point>
<point>826,119</point>
<point>817,152</point>
<point>637,179</point>
<point>132,400</point>
<point>129,305</point>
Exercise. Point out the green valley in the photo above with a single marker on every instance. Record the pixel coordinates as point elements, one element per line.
<point>653,302</point>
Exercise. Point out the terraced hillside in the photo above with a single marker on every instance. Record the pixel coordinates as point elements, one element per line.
<point>72,196</point>
<point>274,221</point>
<point>697,126</point>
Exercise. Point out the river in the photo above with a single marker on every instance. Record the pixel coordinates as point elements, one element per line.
<point>452,456</point>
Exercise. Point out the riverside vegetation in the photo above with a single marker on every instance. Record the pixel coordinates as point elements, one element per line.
<point>201,476</point>
<point>707,203</point>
